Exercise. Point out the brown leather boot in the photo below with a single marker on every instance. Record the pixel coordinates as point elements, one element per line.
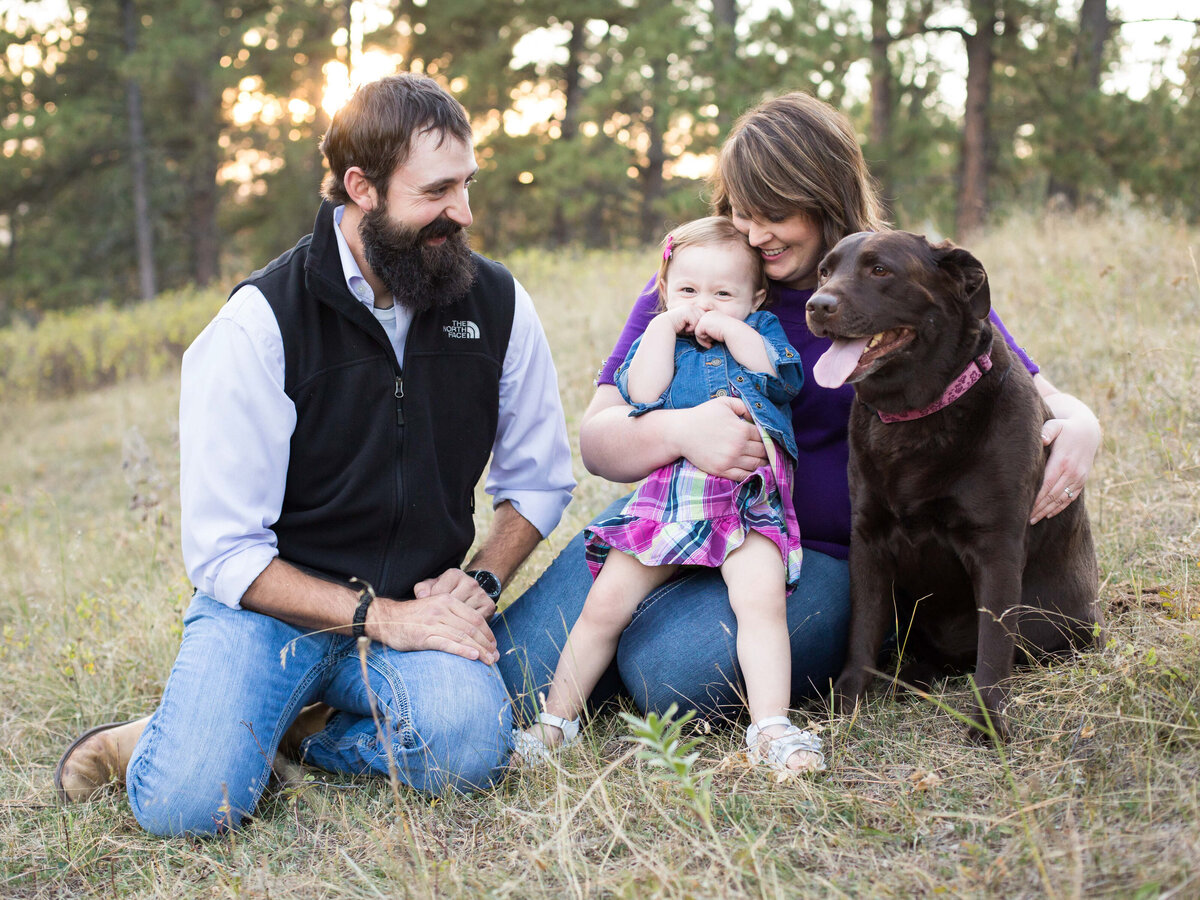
<point>312,719</point>
<point>96,759</point>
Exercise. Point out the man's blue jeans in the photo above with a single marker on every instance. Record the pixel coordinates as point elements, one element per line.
<point>681,646</point>
<point>240,679</point>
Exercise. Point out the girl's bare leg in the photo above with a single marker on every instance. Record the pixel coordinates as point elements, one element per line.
<point>622,584</point>
<point>757,582</point>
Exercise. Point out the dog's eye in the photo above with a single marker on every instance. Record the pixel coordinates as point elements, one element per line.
<point>822,274</point>
<point>878,270</point>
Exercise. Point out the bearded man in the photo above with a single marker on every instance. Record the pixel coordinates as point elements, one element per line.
<point>335,418</point>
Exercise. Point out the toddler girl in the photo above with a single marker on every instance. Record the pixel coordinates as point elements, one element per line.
<point>709,340</point>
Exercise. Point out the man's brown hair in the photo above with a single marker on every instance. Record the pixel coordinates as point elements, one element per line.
<point>376,128</point>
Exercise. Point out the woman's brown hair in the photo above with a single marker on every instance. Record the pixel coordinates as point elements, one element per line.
<point>797,154</point>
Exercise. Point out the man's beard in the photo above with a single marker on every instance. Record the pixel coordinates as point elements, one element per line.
<point>420,276</point>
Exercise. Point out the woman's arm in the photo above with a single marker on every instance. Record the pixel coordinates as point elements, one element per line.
<point>1073,436</point>
<point>716,437</point>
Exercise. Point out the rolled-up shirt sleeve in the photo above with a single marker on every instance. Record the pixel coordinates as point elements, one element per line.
<point>621,379</point>
<point>531,456</point>
<point>789,371</point>
<point>235,428</point>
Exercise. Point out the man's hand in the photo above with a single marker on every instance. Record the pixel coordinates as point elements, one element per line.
<point>460,585</point>
<point>437,621</point>
<point>450,612</point>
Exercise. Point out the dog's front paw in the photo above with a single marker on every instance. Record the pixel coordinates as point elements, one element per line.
<point>989,728</point>
<point>848,690</point>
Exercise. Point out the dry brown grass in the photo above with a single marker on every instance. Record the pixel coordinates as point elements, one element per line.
<point>1097,794</point>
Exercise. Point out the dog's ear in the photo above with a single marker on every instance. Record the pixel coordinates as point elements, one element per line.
<point>968,273</point>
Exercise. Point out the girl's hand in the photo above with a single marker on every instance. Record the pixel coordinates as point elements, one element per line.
<point>711,328</point>
<point>682,318</point>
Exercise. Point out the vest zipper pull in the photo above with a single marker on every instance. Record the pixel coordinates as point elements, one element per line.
<point>399,396</point>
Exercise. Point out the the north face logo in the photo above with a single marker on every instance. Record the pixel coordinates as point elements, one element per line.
<point>462,329</point>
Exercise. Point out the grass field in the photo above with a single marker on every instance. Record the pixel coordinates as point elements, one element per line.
<point>1097,795</point>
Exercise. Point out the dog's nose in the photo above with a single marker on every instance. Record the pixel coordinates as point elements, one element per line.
<point>822,304</point>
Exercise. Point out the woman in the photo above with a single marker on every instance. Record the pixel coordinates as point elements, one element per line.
<point>792,178</point>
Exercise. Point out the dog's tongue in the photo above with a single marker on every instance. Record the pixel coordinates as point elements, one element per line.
<point>838,362</point>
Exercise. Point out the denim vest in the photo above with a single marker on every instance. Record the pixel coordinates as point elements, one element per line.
<point>702,375</point>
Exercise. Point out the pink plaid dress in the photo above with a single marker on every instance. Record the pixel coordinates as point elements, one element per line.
<point>681,515</point>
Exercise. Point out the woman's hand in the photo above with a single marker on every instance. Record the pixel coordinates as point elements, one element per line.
<point>1073,436</point>
<point>720,439</point>
<point>716,437</point>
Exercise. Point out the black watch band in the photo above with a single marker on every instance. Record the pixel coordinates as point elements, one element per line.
<point>365,596</point>
<point>488,581</point>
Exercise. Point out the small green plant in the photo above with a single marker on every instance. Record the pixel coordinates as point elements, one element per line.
<point>672,757</point>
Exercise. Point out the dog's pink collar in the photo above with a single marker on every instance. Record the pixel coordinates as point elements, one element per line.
<point>971,374</point>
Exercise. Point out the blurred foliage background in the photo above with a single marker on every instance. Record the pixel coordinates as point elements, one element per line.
<point>153,145</point>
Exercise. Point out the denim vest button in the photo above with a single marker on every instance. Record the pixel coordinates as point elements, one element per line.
<point>720,392</point>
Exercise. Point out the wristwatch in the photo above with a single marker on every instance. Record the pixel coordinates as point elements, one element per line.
<point>489,582</point>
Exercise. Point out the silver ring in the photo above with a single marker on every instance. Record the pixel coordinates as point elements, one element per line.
<point>1070,495</point>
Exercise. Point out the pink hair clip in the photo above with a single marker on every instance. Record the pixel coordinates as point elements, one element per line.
<point>670,246</point>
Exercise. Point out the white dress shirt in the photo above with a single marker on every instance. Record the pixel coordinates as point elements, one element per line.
<point>236,423</point>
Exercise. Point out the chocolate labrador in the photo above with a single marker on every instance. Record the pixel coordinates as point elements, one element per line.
<point>945,460</point>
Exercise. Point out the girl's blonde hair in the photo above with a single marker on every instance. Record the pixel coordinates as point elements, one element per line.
<point>706,232</point>
<point>795,154</point>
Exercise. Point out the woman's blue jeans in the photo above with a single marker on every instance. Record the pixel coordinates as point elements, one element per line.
<point>240,679</point>
<point>681,646</point>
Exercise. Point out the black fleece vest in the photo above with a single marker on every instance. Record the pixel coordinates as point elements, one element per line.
<point>384,461</point>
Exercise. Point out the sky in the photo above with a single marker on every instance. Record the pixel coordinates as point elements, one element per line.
<point>1134,76</point>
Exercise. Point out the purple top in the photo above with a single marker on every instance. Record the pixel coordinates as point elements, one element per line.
<point>820,416</point>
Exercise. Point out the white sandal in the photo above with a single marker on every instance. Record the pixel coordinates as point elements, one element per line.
<point>533,749</point>
<point>780,749</point>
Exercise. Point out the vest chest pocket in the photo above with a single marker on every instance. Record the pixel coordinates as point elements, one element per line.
<point>345,419</point>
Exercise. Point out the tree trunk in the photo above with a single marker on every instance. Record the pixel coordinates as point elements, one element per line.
<point>1094,30</point>
<point>725,16</point>
<point>203,182</point>
<point>881,103</point>
<point>725,13</point>
<point>573,84</point>
<point>656,156</point>
<point>142,226</point>
<point>975,158</point>
<point>569,126</point>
